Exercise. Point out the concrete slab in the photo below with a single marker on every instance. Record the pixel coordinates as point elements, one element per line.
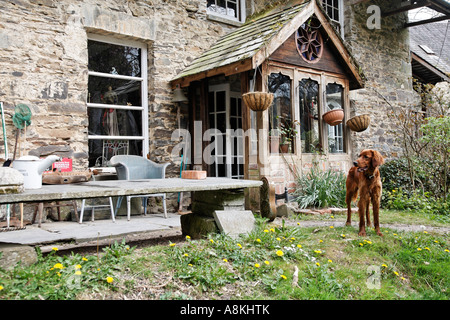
<point>234,222</point>
<point>62,231</point>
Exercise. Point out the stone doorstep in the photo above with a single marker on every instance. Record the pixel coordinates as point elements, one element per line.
<point>14,253</point>
<point>234,223</point>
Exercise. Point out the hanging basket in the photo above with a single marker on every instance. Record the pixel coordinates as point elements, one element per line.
<point>333,117</point>
<point>359,123</point>
<point>258,101</point>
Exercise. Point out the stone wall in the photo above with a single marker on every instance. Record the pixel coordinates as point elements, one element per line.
<point>384,57</point>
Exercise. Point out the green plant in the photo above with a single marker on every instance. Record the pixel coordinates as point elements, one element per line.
<point>320,188</point>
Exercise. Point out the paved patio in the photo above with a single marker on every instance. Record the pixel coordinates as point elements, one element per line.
<point>72,234</point>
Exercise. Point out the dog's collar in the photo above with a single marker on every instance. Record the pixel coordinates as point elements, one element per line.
<point>371,177</point>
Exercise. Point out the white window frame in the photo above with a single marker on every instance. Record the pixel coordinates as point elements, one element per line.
<point>241,12</point>
<point>341,14</point>
<point>144,91</point>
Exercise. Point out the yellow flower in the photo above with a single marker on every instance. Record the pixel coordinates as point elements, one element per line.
<point>266,230</point>
<point>258,240</point>
<point>78,273</point>
<point>298,223</point>
<point>186,255</point>
<point>211,240</point>
<point>396,273</point>
<point>239,245</point>
<point>58,266</point>
<point>272,229</point>
<point>59,274</point>
<point>278,239</point>
<point>188,237</point>
<point>332,217</point>
<point>369,242</point>
<point>292,238</point>
<point>55,249</point>
<point>343,235</point>
<point>317,264</point>
<point>318,251</point>
<point>361,244</point>
<point>267,262</point>
<point>330,261</point>
<point>331,227</point>
<point>446,250</point>
<point>172,244</point>
<point>384,265</point>
<point>403,278</point>
<point>1,288</point>
<point>84,259</point>
<point>283,276</point>
<point>425,232</point>
<point>299,246</point>
<point>225,260</point>
<point>257,265</point>
<point>419,249</point>
<point>320,241</point>
<point>78,266</point>
<point>279,253</point>
<point>109,279</point>
<point>189,264</point>
<point>436,241</point>
<point>426,248</point>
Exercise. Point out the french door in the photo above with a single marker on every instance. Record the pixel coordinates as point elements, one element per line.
<point>226,151</point>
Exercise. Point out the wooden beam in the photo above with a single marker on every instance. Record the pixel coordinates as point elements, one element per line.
<point>420,4</point>
<point>418,23</point>
<point>429,66</point>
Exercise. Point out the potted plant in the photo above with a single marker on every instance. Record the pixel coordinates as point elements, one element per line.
<point>288,131</point>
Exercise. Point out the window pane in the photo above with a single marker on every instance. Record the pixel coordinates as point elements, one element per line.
<point>309,116</point>
<point>114,122</point>
<point>280,113</point>
<point>114,59</point>
<point>334,100</point>
<point>114,91</point>
<point>100,151</point>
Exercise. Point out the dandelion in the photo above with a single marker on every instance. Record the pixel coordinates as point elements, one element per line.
<point>257,265</point>
<point>320,241</point>
<point>396,273</point>
<point>318,251</point>
<point>266,230</point>
<point>55,249</point>
<point>292,238</point>
<point>343,235</point>
<point>331,227</point>
<point>172,244</point>
<point>211,240</point>
<point>186,255</point>
<point>58,266</point>
<point>332,217</point>
<point>267,262</point>
<point>435,241</point>
<point>278,239</point>
<point>1,288</point>
<point>299,246</point>
<point>78,266</point>
<point>317,264</point>
<point>239,245</point>
<point>446,250</point>
<point>425,232</point>
<point>258,240</point>
<point>188,237</point>
<point>283,276</point>
<point>279,253</point>
<point>426,248</point>
<point>109,279</point>
<point>59,274</point>
<point>84,259</point>
<point>190,265</point>
<point>78,273</point>
<point>369,242</point>
<point>272,230</point>
<point>361,244</point>
<point>225,260</point>
<point>404,279</point>
<point>384,265</point>
<point>419,249</point>
<point>298,223</point>
<point>394,234</point>
<point>330,261</point>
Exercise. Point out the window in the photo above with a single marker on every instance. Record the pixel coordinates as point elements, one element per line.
<point>281,124</point>
<point>311,139</point>
<point>117,99</point>
<point>228,9</point>
<point>334,100</point>
<point>335,11</point>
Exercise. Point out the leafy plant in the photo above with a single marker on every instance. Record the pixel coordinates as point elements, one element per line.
<point>320,188</point>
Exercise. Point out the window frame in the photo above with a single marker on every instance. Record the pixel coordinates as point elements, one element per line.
<point>144,90</point>
<point>240,5</point>
<point>340,8</point>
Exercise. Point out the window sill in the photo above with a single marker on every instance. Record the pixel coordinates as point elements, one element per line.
<point>223,19</point>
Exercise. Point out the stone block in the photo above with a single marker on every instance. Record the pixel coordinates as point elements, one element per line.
<point>11,181</point>
<point>197,226</point>
<point>233,223</point>
<point>15,253</point>
<point>206,202</point>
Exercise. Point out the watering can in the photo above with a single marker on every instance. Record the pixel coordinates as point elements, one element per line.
<point>32,167</point>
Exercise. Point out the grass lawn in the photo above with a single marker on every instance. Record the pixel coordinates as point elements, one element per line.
<point>274,262</point>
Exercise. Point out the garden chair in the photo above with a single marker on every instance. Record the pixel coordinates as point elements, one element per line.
<point>129,167</point>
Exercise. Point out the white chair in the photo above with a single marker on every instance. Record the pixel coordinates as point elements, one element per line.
<point>129,167</point>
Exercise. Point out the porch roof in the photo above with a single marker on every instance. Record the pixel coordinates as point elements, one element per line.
<point>248,46</point>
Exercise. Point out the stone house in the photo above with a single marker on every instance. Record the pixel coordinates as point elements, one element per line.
<point>100,77</point>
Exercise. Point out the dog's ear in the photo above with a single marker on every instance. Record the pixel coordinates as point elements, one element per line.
<point>377,159</point>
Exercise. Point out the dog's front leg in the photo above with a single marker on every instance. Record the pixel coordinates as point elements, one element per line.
<point>376,213</point>
<point>362,205</point>
<point>368,223</point>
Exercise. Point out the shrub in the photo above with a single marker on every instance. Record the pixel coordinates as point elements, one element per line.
<point>320,188</point>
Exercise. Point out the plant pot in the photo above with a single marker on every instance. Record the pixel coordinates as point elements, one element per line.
<point>359,123</point>
<point>284,148</point>
<point>258,101</point>
<point>333,117</point>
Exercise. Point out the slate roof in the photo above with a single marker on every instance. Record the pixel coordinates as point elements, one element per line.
<point>435,36</point>
<point>242,43</point>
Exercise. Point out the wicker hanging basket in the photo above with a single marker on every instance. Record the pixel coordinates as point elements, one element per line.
<point>258,101</point>
<point>359,123</point>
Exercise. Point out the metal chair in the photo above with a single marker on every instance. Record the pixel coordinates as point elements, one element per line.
<point>129,167</point>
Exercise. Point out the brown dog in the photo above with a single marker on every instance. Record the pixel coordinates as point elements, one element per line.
<point>364,178</point>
